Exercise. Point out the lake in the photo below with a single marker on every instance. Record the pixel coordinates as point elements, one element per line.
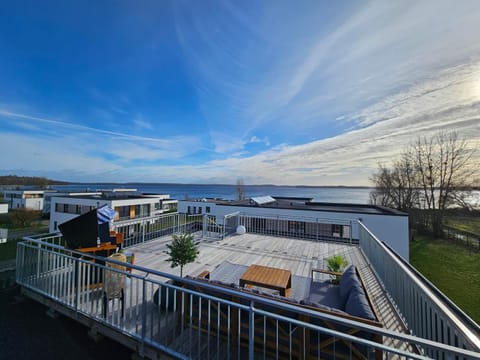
<point>183,191</point>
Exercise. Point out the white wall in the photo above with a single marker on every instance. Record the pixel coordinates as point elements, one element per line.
<point>34,204</point>
<point>392,229</point>
<point>3,208</point>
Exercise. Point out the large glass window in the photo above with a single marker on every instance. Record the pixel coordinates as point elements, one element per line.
<point>123,212</point>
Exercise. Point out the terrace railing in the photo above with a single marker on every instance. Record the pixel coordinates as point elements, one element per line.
<point>195,319</point>
<point>426,311</point>
<point>299,227</point>
<point>137,231</point>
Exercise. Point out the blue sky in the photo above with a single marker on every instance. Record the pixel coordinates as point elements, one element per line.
<point>303,92</point>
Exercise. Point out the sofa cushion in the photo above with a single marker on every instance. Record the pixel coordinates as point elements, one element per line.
<point>357,304</point>
<point>348,281</point>
<point>320,306</point>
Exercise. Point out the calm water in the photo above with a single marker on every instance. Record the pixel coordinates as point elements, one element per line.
<point>182,191</point>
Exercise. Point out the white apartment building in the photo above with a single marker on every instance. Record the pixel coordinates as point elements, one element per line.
<point>129,205</point>
<point>25,199</point>
<point>311,219</point>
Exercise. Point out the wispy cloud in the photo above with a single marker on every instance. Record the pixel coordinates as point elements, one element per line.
<point>353,61</point>
<point>140,122</point>
<point>255,139</point>
<point>71,139</point>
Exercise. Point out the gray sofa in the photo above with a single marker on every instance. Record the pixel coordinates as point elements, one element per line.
<point>349,296</point>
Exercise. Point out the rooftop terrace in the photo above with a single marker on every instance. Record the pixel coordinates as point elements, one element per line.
<point>238,324</point>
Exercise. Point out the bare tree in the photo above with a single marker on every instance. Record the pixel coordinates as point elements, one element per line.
<point>445,173</point>
<point>240,189</point>
<point>433,174</point>
<point>24,217</point>
<point>397,187</point>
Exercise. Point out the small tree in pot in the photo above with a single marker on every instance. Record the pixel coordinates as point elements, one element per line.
<point>182,250</point>
<point>336,264</point>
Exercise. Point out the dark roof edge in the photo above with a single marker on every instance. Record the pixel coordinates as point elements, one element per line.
<point>382,210</point>
<point>346,205</point>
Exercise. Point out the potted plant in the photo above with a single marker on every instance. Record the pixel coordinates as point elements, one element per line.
<point>182,250</point>
<point>336,264</point>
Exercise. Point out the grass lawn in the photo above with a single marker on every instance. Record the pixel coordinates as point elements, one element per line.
<point>8,250</point>
<point>464,223</point>
<point>451,268</point>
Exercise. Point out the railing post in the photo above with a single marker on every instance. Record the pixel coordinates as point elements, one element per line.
<point>77,287</point>
<point>39,252</point>
<point>144,317</point>
<point>251,331</point>
<point>351,231</point>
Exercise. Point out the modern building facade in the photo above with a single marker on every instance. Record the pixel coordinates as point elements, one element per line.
<point>321,221</point>
<point>128,204</point>
<point>25,199</point>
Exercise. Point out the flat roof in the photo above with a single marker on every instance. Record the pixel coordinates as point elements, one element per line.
<point>301,204</point>
<point>109,196</point>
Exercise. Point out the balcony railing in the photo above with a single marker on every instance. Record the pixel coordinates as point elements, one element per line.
<point>427,312</point>
<point>136,231</point>
<point>193,319</point>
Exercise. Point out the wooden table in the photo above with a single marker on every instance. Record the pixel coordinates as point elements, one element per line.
<point>103,247</point>
<point>268,277</point>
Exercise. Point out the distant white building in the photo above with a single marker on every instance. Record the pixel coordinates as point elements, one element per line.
<point>305,217</point>
<point>3,208</point>
<point>128,204</point>
<point>25,199</point>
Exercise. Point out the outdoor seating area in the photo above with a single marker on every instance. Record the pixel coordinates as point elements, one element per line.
<point>353,303</point>
<point>349,297</point>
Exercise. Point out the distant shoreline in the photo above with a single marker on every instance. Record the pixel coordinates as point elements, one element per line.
<point>213,184</point>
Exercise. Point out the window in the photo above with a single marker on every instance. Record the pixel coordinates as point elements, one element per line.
<point>78,209</point>
<point>194,209</point>
<point>199,209</point>
<point>65,208</point>
<point>207,209</point>
<point>123,212</point>
<point>54,226</point>
<point>189,210</point>
<point>296,227</point>
<point>337,230</point>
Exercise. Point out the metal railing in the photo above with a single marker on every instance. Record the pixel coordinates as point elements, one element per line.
<point>195,319</point>
<point>138,231</point>
<point>300,227</point>
<point>423,307</point>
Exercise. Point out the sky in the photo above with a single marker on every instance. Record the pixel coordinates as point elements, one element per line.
<point>270,92</point>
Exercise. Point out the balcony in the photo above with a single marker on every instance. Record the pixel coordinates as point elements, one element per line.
<point>194,318</point>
